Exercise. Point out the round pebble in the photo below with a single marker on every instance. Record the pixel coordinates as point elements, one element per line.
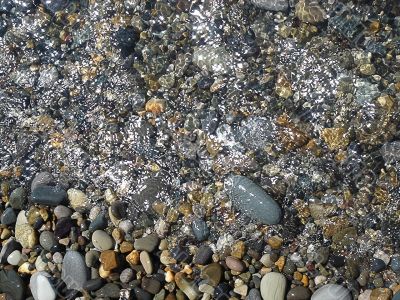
<point>101,240</point>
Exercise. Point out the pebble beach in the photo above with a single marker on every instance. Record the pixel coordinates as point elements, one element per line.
<point>199,149</point>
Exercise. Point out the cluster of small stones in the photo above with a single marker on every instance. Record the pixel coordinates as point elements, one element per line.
<point>199,149</point>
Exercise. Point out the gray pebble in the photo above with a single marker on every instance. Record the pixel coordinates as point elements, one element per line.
<point>8,216</point>
<point>42,178</point>
<point>110,290</point>
<point>126,275</point>
<point>47,240</point>
<point>61,211</point>
<point>18,198</point>
<point>92,258</point>
<point>200,229</point>
<point>41,287</point>
<point>147,243</point>
<point>48,195</point>
<point>74,271</point>
<point>102,240</point>
<point>252,200</point>
<point>254,294</point>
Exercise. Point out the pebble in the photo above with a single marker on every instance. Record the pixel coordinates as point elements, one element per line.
<point>101,240</point>
<point>395,263</point>
<point>26,235</point>
<point>18,198</point>
<point>93,284</point>
<point>77,199</point>
<point>142,294</point>
<point>254,294</point>
<point>299,293</point>
<point>187,287</point>
<point>40,264</point>
<point>48,195</point>
<point>14,258</point>
<point>92,258</point>
<point>110,290</point>
<point>331,292</point>
<point>396,296</point>
<point>200,229</point>
<point>235,264</point>
<point>146,262</point>
<point>109,260</point>
<point>212,274</point>
<point>151,285</point>
<point>63,228</point>
<point>8,216</point>
<point>118,210</point>
<point>126,275</point>
<point>74,272</point>
<point>252,200</point>
<point>203,255</point>
<point>61,211</point>
<point>99,223</point>
<point>12,284</point>
<point>47,240</point>
<point>377,265</point>
<point>273,286</point>
<point>381,294</point>
<point>42,178</point>
<point>147,243</point>
<point>126,226</point>
<point>267,261</point>
<point>41,287</point>
<point>133,258</point>
<point>7,248</point>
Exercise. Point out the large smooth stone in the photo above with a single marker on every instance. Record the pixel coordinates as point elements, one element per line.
<point>102,240</point>
<point>147,243</point>
<point>12,284</point>
<point>18,198</point>
<point>299,293</point>
<point>273,286</point>
<point>332,292</point>
<point>74,272</point>
<point>48,195</point>
<point>42,178</point>
<point>251,200</point>
<point>41,287</point>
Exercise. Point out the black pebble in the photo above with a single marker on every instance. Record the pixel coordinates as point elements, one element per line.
<point>93,284</point>
<point>377,265</point>
<point>203,255</point>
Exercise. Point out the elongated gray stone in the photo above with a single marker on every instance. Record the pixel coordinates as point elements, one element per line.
<point>74,272</point>
<point>332,292</point>
<point>48,195</point>
<point>273,286</point>
<point>275,5</point>
<point>251,200</point>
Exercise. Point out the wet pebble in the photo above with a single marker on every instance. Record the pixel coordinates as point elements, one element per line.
<point>377,265</point>
<point>186,286</point>
<point>93,284</point>
<point>212,274</point>
<point>18,198</point>
<point>14,258</point>
<point>99,223</point>
<point>252,200</point>
<point>12,284</point>
<point>200,229</point>
<point>151,285</point>
<point>48,195</point>
<point>110,290</point>
<point>203,255</point>
<point>395,263</point>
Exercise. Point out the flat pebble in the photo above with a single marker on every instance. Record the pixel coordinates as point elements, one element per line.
<point>331,292</point>
<point>126,275</point>
<point>273,286</point>
<point>48,195</point>
<point>200,229</point>
<point>74,272</point>
<point>147,243</point>
<point>102,240</point>
<point>252,200</point>
<point>212,274</point>
<point>61,211</point>
<point>41,287</point>
<point>146,262</point>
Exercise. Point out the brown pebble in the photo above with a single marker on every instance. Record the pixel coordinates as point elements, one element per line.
<point>133,258</point>
<point>381,294</point>
<point>238,249</point>
<point>170,296</point>
<point>109,260</point>
<point>126,247</point>
<point>275,242</point>
<point>235,264</point>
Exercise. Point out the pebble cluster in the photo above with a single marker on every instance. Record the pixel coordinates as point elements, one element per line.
<point>204,149</point>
